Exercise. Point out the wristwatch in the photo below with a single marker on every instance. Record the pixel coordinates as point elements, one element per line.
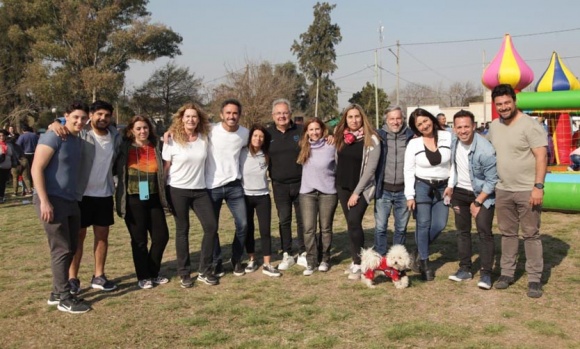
<point>477,203</point>
<point>539,185</point>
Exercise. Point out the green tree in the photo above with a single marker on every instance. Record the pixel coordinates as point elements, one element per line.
<point>366,99</point>
<point>300,100</point>
<point>316,58</point>
<point>166,90</point>
<point>82,48</point>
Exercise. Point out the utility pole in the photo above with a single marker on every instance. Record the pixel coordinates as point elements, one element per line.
<point>483,89</point>
<point>398,68</point>
<point>381,36</point>
<point>376,91</point>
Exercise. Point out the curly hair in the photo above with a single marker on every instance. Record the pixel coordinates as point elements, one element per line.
<point>177,129</point>
<point>304,143</point>
<point>128,131</point>
<point>341,126</point>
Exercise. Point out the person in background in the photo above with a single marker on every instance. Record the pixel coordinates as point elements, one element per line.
<point>427,172</point>
<point>358,152</point>
<point>520,144</point>
<point>12,134</point>
<point>474,167</point>
<point>6,156</point>
<point>286,175</point>
<point>56,172</point>
<point>318,199</point>
<point>20,167</point>
<point>254,167</point>
<point>28,141</point>
<point>140,199</point>
<point>442,120</point>
<point>390,195</point>
<point>575,160</point>
<point>184,157</point>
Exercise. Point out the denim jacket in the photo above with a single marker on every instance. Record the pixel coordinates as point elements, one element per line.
<point>482,167</point>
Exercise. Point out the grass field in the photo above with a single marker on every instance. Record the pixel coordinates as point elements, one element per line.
<point>294,311</point>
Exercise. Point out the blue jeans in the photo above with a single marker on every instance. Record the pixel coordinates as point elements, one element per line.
<point>430,215</point>
<point>233,194</point>
<point>318,211</point>
<point>575,159</point>
<point>396,201</point>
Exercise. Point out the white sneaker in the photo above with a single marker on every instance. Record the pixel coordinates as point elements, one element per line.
<point>308,271</point>
<point>145,283</point>
<point>355,272</point>
<point>348,269</point>
<point>269,270</point>
<point>302,260</point>
<point>323,267</point>
<point>287,262</point>
<point>252,266</point>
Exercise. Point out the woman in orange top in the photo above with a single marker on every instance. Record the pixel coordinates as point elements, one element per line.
<point>140,199</point>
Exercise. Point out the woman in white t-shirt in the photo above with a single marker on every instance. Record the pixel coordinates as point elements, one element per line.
<point>427,169</point>
<point>184,156</point>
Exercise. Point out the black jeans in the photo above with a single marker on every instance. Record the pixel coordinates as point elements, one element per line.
<point>262,205</point>
<point>354,217</point>
<point>145,218</point>
<point>461,202</point>
<point>4,175</point>
<point>285,196</point>
<point>198,200</point>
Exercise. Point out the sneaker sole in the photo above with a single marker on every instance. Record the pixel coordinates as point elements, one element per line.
<point>102,288</point>
<point>49,302</point>
<point>483,286</point>
<point>455,278</point>
<point>271,274</point>
<point>145,287</point>
<point>239,273</point>
<point>250,270</point>
<point>207,282</point>
<point>66,310</point>
<point>185,285</point>
<point>354,276</point>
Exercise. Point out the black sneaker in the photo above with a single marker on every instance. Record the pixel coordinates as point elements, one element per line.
<point>186,281</point>
<point>53,299</point>
<point>504,282</point>
<point>101,283</point>
<point>219,269</point>
<point>75,286</point>
<point>73,305</point>
<point>238,269</point>
<point>535,290</point>
<point>208,279</point>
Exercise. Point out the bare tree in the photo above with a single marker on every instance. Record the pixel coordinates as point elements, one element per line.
<point>459,94</point>
<point>256,87</point>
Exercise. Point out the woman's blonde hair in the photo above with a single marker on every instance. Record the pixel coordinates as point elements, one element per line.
<point>366,125</point>
<point>304,154</point>
<point>177,129</point>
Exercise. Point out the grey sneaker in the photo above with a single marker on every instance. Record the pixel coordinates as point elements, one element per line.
<point>484,282</point>
<point>208,279</point>
<point>308,271</point>
<point>160,280</point>
<point>101,283</point>
<point>302,260</point>
<point>75,286</point>
<point>535,290</point>
<point>251,267</point>
<point>461,275</point>
<point>145,284</point>
<point>287,262</point>
<point>73,305</point>
<point>186,281</point>
<point>53,299</point>
<point>323,267</point>
<point>269,270</point>
<point>504,282</point>
<point>219,269</point>
<point>355,272</point>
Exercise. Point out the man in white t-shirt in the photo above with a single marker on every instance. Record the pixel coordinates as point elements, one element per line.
<point>474,164</point>
<point>95,191</point>
<point>223,179</point>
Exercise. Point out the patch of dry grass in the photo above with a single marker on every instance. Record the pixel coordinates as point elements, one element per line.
<point>320,311</point>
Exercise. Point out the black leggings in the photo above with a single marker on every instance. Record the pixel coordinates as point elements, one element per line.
<point>262,205</point>
<point>354,217</point>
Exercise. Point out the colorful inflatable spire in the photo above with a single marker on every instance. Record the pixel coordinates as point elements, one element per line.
<point>557,77</point>
<point>507,68</point>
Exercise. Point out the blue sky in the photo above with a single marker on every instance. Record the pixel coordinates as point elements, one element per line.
<point>224,35</point>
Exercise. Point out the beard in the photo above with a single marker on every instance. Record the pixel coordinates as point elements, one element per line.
<point>510,116</point>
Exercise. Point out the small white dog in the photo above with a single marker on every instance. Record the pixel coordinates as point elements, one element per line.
<point>392,266</point>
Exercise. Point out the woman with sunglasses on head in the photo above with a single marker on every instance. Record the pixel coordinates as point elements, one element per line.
<point>140,199</point>
<point>427,170</point>
<point>358,152</point>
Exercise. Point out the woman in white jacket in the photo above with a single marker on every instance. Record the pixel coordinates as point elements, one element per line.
<point>427,171</point>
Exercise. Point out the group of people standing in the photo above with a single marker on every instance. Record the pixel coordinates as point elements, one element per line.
<point>420,169</point>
